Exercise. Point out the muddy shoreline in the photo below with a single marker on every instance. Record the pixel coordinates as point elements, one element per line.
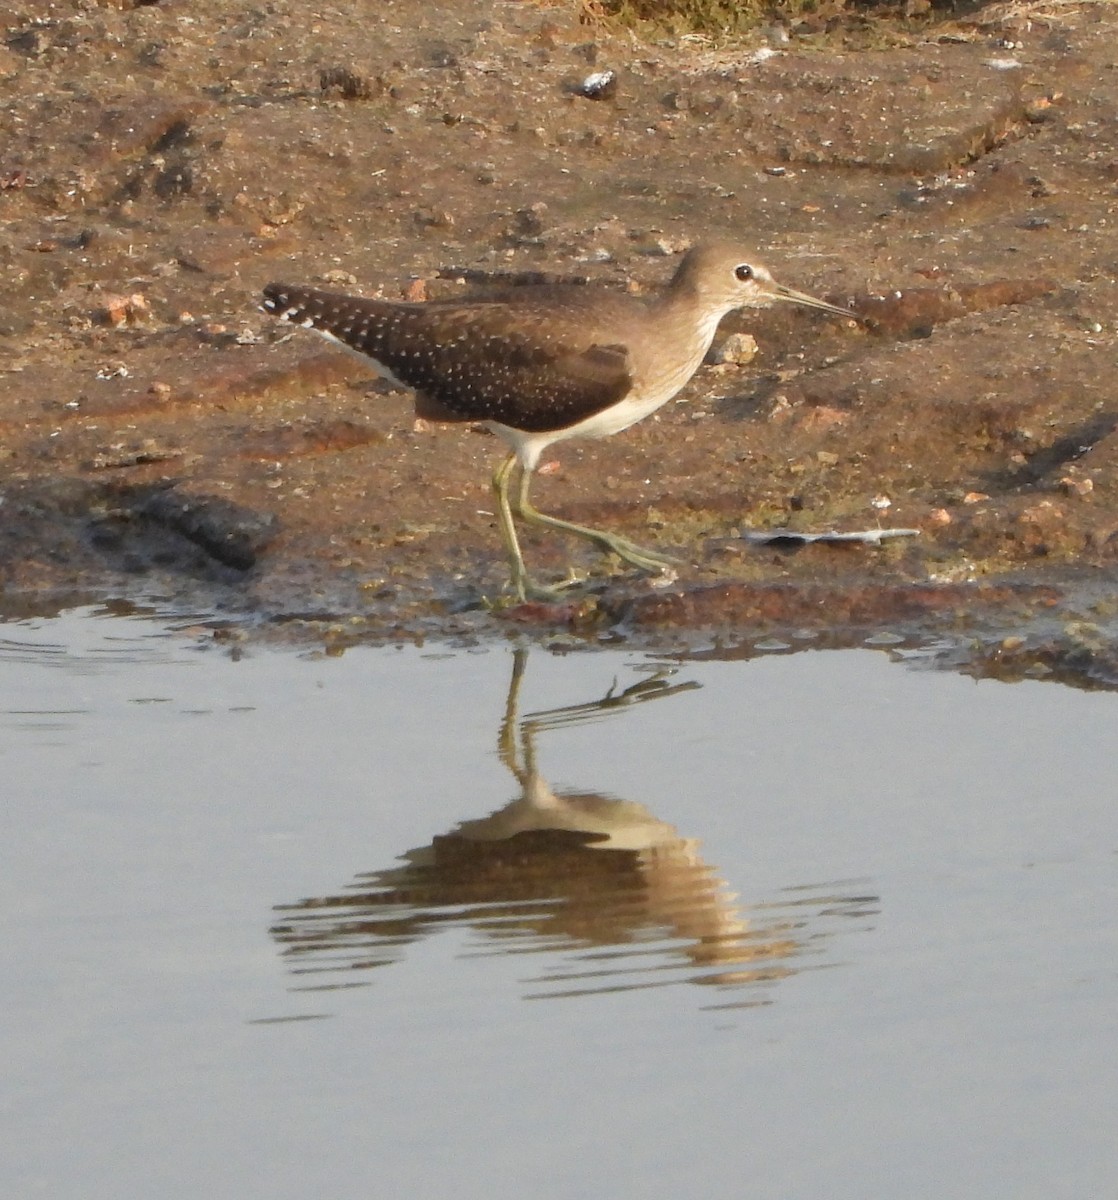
<point>164,442</point>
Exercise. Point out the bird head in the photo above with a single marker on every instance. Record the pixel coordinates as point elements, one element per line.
<point>726,276</point>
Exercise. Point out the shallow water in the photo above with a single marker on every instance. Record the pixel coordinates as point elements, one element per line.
<point>494,924</point>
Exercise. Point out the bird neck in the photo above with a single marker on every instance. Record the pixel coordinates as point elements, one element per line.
<point>684,309</point>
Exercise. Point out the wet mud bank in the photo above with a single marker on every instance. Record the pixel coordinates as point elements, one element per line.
<point>956,184</point>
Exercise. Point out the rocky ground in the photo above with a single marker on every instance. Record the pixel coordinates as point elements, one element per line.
<point>956,183</point>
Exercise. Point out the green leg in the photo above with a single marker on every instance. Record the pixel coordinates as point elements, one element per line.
<point>522,583</point>
<point>646,560</point>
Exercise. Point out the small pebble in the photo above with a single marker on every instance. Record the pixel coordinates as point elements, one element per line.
<point>738,349</point>
<point>123,310</point>
<point>601,85</point>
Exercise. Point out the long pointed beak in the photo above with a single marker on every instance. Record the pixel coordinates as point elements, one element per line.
<point>780,292</point>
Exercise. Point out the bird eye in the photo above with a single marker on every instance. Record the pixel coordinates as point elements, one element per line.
<point>744,272</point>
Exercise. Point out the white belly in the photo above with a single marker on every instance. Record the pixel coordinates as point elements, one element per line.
<point>652,387</point>
<point>640,403</point>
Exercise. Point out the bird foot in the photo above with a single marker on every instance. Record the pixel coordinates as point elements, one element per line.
<point>525,590</point>
<point>634,555</point>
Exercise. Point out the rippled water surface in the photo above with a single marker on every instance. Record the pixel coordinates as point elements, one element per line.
<point>503,923</point>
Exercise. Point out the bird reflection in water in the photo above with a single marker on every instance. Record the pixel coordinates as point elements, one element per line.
<point>582,874</point>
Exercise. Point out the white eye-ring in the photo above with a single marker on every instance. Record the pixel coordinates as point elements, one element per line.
<point>744,272</point>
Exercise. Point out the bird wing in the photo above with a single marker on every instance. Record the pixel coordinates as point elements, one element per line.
<point>530,365</point>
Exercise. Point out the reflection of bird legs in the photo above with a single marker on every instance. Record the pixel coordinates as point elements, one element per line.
<point>654,687</point>
<point>516,741</point>
<point>507,737</point>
